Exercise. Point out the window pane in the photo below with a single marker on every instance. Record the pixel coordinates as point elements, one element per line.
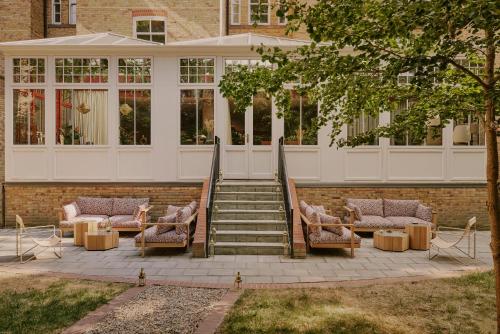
<point>28,70</point>
<point>142,26</point>
<point>206,116</point>
<point>157,26</point>
<point>468,130</point>
<point>29,116</point>
<point>309,116</point>
<point>188,117</point>
<point>126,117</point>
<point>262,119</point>
<point>362,124</point>
<point>143,117</point>
<point>237,125</point>
<point>158,38</point>
<point>81,117</point>
<point>292,121</point>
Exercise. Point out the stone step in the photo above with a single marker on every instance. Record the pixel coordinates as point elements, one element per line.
<point>248,205</point>
<point>249,225</point>
<point>228,214</point>
<point>250,236</point>
<point>249,248</point>
<point>249,187</point>
<point>249,195</point>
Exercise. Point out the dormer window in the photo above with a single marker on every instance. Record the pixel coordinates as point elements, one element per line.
<point>150,28</point>
<point>56,11</point>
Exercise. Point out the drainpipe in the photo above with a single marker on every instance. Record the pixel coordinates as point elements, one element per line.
<point>45,23</point>
<point>227,17</point>
<point>221,17</point>
<point>3,205</point>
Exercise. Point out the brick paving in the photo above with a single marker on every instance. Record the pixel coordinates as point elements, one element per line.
<point>176,267</point>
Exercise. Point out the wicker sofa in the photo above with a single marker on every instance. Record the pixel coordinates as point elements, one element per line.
<point>124,214</point>
<point>369,215</point>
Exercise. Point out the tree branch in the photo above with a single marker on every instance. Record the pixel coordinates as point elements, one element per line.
<point>466,70</point>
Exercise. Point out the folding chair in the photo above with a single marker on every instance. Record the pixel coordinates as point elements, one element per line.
<point>468,232</point>
<point>52,241</point>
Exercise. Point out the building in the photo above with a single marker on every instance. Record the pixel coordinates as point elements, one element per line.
<point>114,111</point>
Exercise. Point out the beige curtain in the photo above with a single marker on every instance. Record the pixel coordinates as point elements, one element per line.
<point>93,125</point>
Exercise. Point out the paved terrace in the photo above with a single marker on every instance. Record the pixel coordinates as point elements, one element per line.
<point>173,265</point>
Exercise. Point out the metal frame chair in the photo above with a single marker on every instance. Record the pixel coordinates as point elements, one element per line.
<point>51,242</point>
<point>468,232</point>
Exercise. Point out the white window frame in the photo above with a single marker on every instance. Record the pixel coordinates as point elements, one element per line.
<point>83,84</point>
<point>46,75</point>
<point>134,83</point>
<point>196,88</point>
<point>150,18</point>
<point>301,107</point>
<point>232,12</point>
<point>195,83</point>
<point>71,14</point>
<point>54,3</point>
<point>362,121</point>
<point>250,20</point>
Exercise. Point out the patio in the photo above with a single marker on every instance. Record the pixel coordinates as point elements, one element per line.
<point>171,265</point>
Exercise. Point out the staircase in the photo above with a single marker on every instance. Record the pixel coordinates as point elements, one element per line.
<point>248,218</point>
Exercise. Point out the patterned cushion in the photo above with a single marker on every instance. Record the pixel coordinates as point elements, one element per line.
<point>302,207</point>
<point>66,224</point>
<point>126,206</point>
<point>171,209</point>
<point>400,208</point>
<point>71,211</point>
<point>150,235</point>
<point>358,215</point>
<point>97,218</point>
<point>314,218</point>
<point>166,219</point>
<point>327,219</point>
<point>182,216</point>
<point>194,206</point>
<point>95,205</point>
<point>319,208</point>
<point>122,221</point>
<point>424,213</point>
<point>370,207</point>
<point>137,211</point>
<point>401,222</point>
<point>329,237</point>
<point>373,222</point>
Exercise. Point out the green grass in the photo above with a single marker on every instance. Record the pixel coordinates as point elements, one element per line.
<point>39,304</point>
<point>456,305</point>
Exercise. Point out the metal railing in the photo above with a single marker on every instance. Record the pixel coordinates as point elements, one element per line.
<point>214,178</point>
<point>287,196</point>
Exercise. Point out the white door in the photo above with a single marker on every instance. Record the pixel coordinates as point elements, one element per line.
<point>248,146</point>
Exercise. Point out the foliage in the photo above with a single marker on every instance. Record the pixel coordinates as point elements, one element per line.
<point>359,51</point>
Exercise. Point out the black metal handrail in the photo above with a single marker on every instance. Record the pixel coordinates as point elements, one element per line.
<point>287,196</point>
<point>214,177</point>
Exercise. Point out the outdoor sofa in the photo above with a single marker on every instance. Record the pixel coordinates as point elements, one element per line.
<point>174,230</point>
<point>370,215</point>
<point>124,214</point>
<point>323,230</point>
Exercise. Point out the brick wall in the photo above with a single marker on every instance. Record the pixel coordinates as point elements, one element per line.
<point>454,205</point>
<point>36,203</point>
<point>186,19</point>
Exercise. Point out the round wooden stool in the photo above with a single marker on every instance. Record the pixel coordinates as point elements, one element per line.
<point>420,236</point>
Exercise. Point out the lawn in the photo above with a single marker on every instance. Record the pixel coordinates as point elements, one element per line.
<point>42,304</point>
<point>453,305</point>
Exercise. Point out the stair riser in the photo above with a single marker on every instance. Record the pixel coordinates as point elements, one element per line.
<point>250,197</point>
<point>250,227</point>
<point>241,188</point>
<point>248,206</point>
<point>249,238</point>
<point>249,250</point>
<point>248,216</point>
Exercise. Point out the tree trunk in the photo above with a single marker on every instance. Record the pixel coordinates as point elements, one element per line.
<point>492,166</point>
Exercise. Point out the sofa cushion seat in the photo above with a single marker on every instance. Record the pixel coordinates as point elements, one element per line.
<point>126,206</point>
<point>95,205</point>
<point>327,237</point>
<point>124,221</point>
<point>151,236</point>
<point>403,221</point>
<point>369,207</point>
<point>400,207</point>
<point>82,218</point>
<point>373,222</point>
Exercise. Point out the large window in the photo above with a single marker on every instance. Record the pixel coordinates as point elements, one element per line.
<point>72,11</point>
<point>150,29</point>
<point>363,124</point>
<point>81,116</point>
<point>468,130</point>
<point>28,70</point>
<point>56,11</point>
<point>134,70</point>
<point>197,116</point>
<point>259,11</point>
<point>235,11</point>
<point>299,122</point>
<point>81,70</point>
<point>135,117</point>
<point>197,70</point>
<point>29,116</point>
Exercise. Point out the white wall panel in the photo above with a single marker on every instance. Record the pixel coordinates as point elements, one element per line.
<point>82,164</point>
<point>303,165</point>
<point>135,165</point>
<point>194,164</point>
<point>415,164</point>
<point>467,164</point>
<point>363,164</point>
<point>29,165</point>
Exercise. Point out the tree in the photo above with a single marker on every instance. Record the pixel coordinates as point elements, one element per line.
<point>358,51</point>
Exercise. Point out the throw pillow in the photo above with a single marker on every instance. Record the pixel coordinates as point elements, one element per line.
<point>194,206</point>
<point>314,218</point>
<point>319,208</point>
<point>327,219</point>
<point>424,213</point>
<point>164,220</point>
<point>182,216</point>
<point>357,211</point>
<point>138,211</point>
<point>400,207</point>
<point>71,211</point>
<point>171,209</point>
<point>369,207</point>
<point>303,206</point>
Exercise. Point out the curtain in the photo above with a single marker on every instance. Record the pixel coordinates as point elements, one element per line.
<point>90,128</point>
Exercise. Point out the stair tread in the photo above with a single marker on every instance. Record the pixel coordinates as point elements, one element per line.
<point>248,244</point>
<point>245,201</point>
<point>238,232</point>
<point>244,192</point>
<point>247,210</point>
<point>247,221</point>
<point>249,183</point>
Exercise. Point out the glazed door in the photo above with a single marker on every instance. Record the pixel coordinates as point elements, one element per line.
<point>248,148</point>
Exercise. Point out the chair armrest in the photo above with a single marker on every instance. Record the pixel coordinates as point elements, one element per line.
<point>60,213</point>
<point>37,227</point>
<point>147,209</point>
<point>434,219</point>
<point>352,216</point>
<point>439,228</point>
<point>304,219</point>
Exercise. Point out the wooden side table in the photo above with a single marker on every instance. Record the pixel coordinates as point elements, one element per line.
<point>394,241</point>
<point>420,236</point>
<point>101,240</point>
<point>80,228</point>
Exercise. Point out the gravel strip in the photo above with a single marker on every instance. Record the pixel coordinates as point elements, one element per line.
<point>161,309</point>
